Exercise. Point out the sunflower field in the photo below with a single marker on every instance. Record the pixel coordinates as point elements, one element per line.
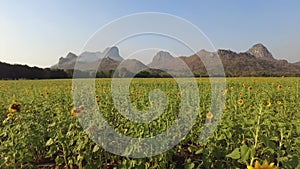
<point>259,127</point>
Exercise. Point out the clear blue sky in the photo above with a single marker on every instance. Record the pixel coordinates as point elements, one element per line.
<point>38,32</point>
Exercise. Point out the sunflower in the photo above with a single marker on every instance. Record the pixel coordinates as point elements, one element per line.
<point>224,92</point>
<point>266,165</point>
<point>279,87</point>
<point>250,88</point>
<point>27,91</point>
<point>10,115</point>
<point>14,107</point>
<point>209,115</point>
<point>240,102</point>
<point>269,104</point>
<point>279,102</point>
<point>77,111</point>
<point>152,103</point>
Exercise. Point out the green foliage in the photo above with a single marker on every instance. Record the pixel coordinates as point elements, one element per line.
<point>44,132</point>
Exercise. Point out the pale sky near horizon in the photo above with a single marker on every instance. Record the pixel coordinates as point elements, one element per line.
<point>38,32</point>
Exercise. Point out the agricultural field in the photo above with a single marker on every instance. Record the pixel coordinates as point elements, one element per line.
<point>40,125</point>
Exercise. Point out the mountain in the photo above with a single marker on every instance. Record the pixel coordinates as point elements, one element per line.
<point>108,59</point>
<point>113,53</point>
<point>90,56</point>
<point>257,61</point>
<point>160,59</point>
<point>260,51</point>
<point>297,63</point>
<point>165,61</point>
<point>66,63</point>
<point>133,65</point>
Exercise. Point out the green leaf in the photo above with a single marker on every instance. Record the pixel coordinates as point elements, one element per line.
<point>235,154</point>
<point>96,148</point>
<point>199,151</point>
<point>189,166</point>
<point>245,153</point>
<point>49,142</point>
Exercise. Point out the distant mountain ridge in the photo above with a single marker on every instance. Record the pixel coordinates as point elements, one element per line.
<point>89,59</point>
<point>257,61</point>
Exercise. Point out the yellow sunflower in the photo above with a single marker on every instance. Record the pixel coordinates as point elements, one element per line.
<point>269,104</point>
<point>279,102</point>
<point>279,87</point>
<point>10,115</point>
<point>240,102</point>
<point>224,92</point>
<point>152,103</point>
<point>14,107</point>
<point>27,91</point>
<point>250,88</point>
<point>209,115</point>
<point>77,111</point>
<point>266,165</point>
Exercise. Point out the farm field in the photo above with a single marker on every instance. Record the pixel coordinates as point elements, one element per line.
<point>40,128</point>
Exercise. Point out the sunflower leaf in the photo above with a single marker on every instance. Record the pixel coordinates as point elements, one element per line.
<point>235,154</point>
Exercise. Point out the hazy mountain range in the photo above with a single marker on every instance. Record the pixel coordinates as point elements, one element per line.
<point>257,61</point>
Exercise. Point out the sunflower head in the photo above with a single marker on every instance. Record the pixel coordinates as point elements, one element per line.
<point>14,107</point>
<point>266,165</point>
<point>27,91</point>
<point>77,111</point>
<point>240,102</point>
<point>279,87</point>
<point>269,104</point>
<point>10,115</point>
<point>250,88</point>
<point>209,115</point>
<point>152,103</point>
<point>224,92</point>
<point>279,102</point>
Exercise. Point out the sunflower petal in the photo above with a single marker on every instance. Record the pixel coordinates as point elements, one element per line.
<point>266,164</point>
<point>257,164</point>
<point>272,165</point>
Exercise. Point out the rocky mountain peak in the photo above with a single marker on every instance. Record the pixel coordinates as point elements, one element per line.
<point>162,57</point>
<point>113,53</point>
<point>70,57</point>
<point>260,51</point>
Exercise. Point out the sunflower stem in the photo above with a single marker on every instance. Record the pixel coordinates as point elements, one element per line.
<point>256,134</point>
